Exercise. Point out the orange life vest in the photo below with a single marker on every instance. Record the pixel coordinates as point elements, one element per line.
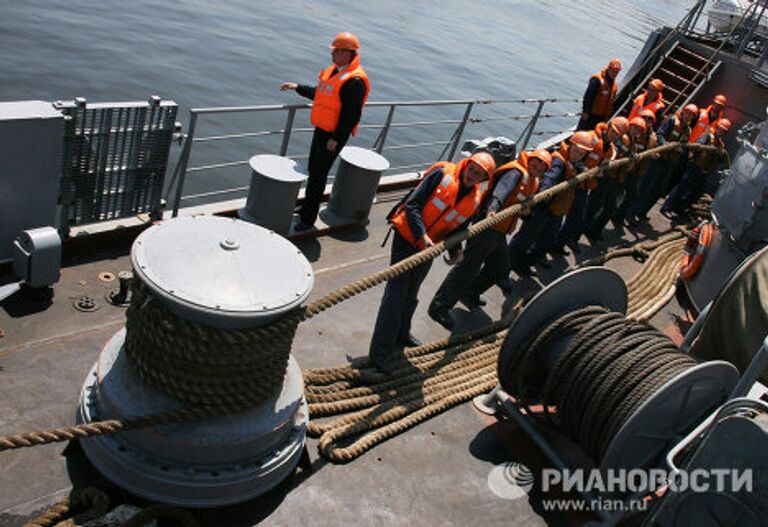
<point>560,205</point>
<point>326,106</point>
<point>640,105</point>
<point>703,125</point>
<point>441,214</point>
<point>603,103</point>
<point>526,187</point>
<point>596,156</point>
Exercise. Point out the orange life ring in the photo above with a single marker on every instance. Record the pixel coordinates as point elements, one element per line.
<point>696,250</point>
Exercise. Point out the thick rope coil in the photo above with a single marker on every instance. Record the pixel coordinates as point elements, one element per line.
<point>201,365</point>
<point>610,367</point>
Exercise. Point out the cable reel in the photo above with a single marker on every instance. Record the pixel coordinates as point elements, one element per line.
<point>620,388</point>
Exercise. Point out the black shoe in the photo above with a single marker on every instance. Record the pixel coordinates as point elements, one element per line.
<point>559,251</point>
<point>525,271</point>
<point>442,316</point>
<point>595,236</point>
<point>574,246</point>
<point>382,365</point>
<point>300,226</point>
<point>544,264</point>
<point>409,342</point>
<point>472,301</point>
<point>505,284</point>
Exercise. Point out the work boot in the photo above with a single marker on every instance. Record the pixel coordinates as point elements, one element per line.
<point>525,271</point>
<point>506,285</point>
<point>441,315</point>
<point>472,301</point>
<point>300,226</point>
<point>574,246</point>
<point>381,364</point>
<point>409,342</point>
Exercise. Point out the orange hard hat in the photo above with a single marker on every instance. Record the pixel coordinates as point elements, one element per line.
<point>656,84</point>
<point>724,124</point>
<point>691,108</point>
<point>345,40</point>
<point>648,113</point>
<point>639,122</point>
<point>542,155</point>
<point>620,125</point>
<point>614,64</point>
<point>485,160</point>
<point>720,99</point>
<point>584,140</point>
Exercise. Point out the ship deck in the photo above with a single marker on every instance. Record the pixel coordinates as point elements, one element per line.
<point>433,474</point>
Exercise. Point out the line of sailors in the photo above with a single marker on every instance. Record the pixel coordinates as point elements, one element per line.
<point>450,196</point>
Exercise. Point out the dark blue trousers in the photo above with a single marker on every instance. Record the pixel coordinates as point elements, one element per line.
<point>534,239</point>
<point>573,226</point>
<point>685,193</point>
<point>480,252</point>
<point>399,302</point>
<point>602,204</point>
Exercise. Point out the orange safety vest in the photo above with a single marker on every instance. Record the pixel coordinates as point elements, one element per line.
<point>441,214</point>
<point>603,103</point>
<point>526,187</point>
<point>703,125</point>
<point>326,106</point>
<point>560,205</point>
<point>596,156</point>
<point>640,105</point>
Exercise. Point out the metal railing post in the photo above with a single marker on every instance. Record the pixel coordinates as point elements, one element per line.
<point>287,131</point>
<point>532,125</point>
<point>460,131</point>
<point>183,161</point>
<point>378,145</point>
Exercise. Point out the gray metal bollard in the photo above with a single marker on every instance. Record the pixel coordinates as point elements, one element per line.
<point>356,182</point>
<point>275,184</point>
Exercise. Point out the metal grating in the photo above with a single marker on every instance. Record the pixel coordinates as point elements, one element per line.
<point>115,157</point>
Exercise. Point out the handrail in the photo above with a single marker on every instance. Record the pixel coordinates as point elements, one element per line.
<point>386,126</point>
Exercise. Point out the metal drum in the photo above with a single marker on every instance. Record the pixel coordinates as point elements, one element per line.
<point>275,184</point>
<point>355,184</point>
<point>226,274</point>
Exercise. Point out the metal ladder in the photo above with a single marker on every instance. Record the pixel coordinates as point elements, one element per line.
<point>681,72</point>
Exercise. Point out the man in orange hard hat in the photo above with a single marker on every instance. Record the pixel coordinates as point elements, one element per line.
<point>708,117</point>
<point>655,183</point>
<point>641,141</point>
<point>486,258</point>
<point>337,106</point>
<point>613,139</point>
<point>538,233</point>
<point>446,198</point>
<point>652,99</point>
<point>700,165</point>
<point>597,103</point>
<point>614,184</point>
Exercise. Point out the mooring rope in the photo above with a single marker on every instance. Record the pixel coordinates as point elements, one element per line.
<point>219,400</point>
<point>611,366</point>
<point>201,365</point>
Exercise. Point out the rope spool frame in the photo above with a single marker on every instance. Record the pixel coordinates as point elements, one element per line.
<point>673,408</point>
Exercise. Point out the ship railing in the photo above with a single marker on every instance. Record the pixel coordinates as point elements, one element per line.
<point>488,116</point>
